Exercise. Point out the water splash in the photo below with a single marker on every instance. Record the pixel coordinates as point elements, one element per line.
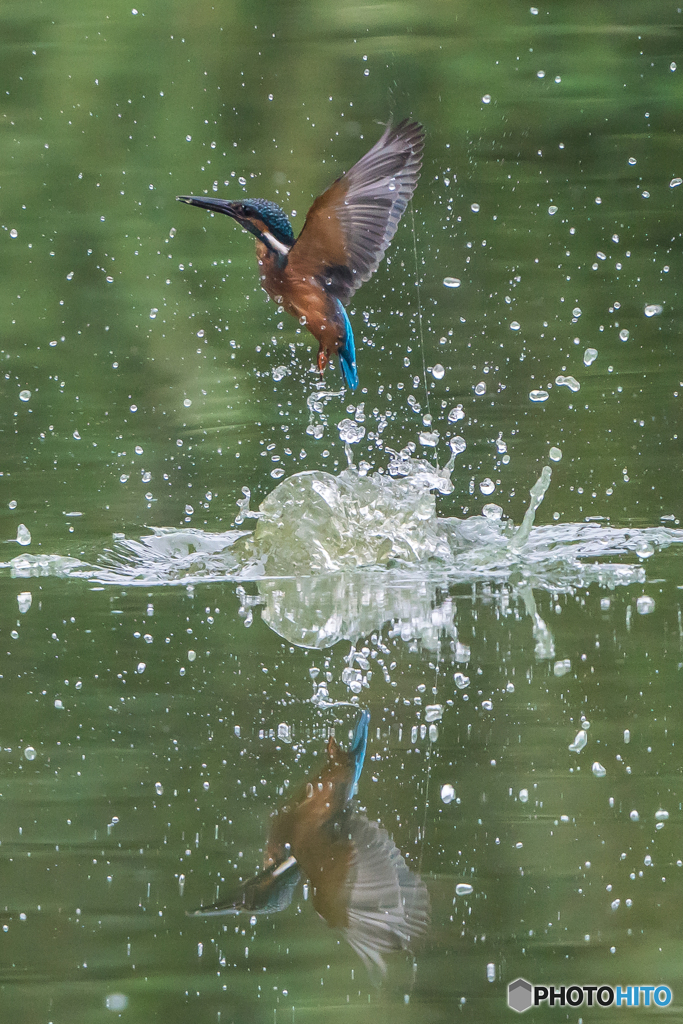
<point>337,557</point>
<point>315,522</point>
<point>537,494</point>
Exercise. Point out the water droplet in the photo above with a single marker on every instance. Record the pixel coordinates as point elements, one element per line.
<point>539,396</point>
<point>672,65</point>
<point>569,382</point>
<point>433,712</point>
<point>552,210</point>
<point>279,372</point>
<point>591,354</point>
<point>540,74</point>
<point>284,732</point>
<point>580,741</point>
<point>461,681</point>
<point>661,815</point>
<point>456,414</point>
<point>514,326</point>
<point>475,207</point>
<point>117,1001</point>
<point>140,668</point>
<point>438,371</point>
<point>159,788</point>
<point>153,313</point>
<point>463,889</point>
<point>487,486</point>
<point>653,309</point>
<point>492,512</point>
<point>555,454</point>
<point>627,735</point>
<point>59,705</point>
<point>486,98</point>
<point>451,282</point>
<point>30,755</point>
<point>24,600</point>
<point>645,605</point>
<point>23,535</point>
<point>447,793</point>
<point>524,795</point>
<point>560,668</point>
<point>24,396</point>
<point>13,233</point>
<point>350,432</point>
<point>634,816</point>
<point>458,445</point>
<point>598,771</point>
<point>576,312</point>
<point>429,438</point>
<point>191,655</point>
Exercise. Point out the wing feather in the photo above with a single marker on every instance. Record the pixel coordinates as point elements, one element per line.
<point>387,905</point>
<point>349,226</point>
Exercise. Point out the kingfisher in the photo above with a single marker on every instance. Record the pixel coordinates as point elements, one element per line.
<point>359,881</point>
<point>346,233</point>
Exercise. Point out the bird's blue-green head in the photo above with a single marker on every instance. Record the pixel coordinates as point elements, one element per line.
<point>264,219</point>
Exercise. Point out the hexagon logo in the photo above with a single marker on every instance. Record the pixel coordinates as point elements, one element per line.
<point>520,995</point>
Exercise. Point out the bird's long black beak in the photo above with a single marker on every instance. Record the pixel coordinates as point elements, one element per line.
<point>210,203</point>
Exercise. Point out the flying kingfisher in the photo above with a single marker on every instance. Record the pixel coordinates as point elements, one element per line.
<point>360,882</point>
<point>346,233</point>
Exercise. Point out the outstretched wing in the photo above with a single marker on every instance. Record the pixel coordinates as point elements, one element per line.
<point>387,905</point>
<point>349,226</point>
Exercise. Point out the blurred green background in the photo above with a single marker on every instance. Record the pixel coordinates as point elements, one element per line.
<point>138,391</point>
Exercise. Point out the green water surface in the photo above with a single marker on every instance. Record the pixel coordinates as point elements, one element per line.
<point>148,732</point>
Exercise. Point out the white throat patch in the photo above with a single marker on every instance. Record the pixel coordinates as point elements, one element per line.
<point>275,243</point>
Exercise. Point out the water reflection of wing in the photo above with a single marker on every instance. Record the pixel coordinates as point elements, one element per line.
<point>266,893</point>
<point>387,905</point>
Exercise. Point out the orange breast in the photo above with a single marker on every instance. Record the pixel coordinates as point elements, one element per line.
<point>302,296</point>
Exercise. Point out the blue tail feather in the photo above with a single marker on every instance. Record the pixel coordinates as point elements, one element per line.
<point>347,353</point>
<point>358,744</point>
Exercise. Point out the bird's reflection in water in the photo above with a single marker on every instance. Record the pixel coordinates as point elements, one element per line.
<point>359,881</point>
